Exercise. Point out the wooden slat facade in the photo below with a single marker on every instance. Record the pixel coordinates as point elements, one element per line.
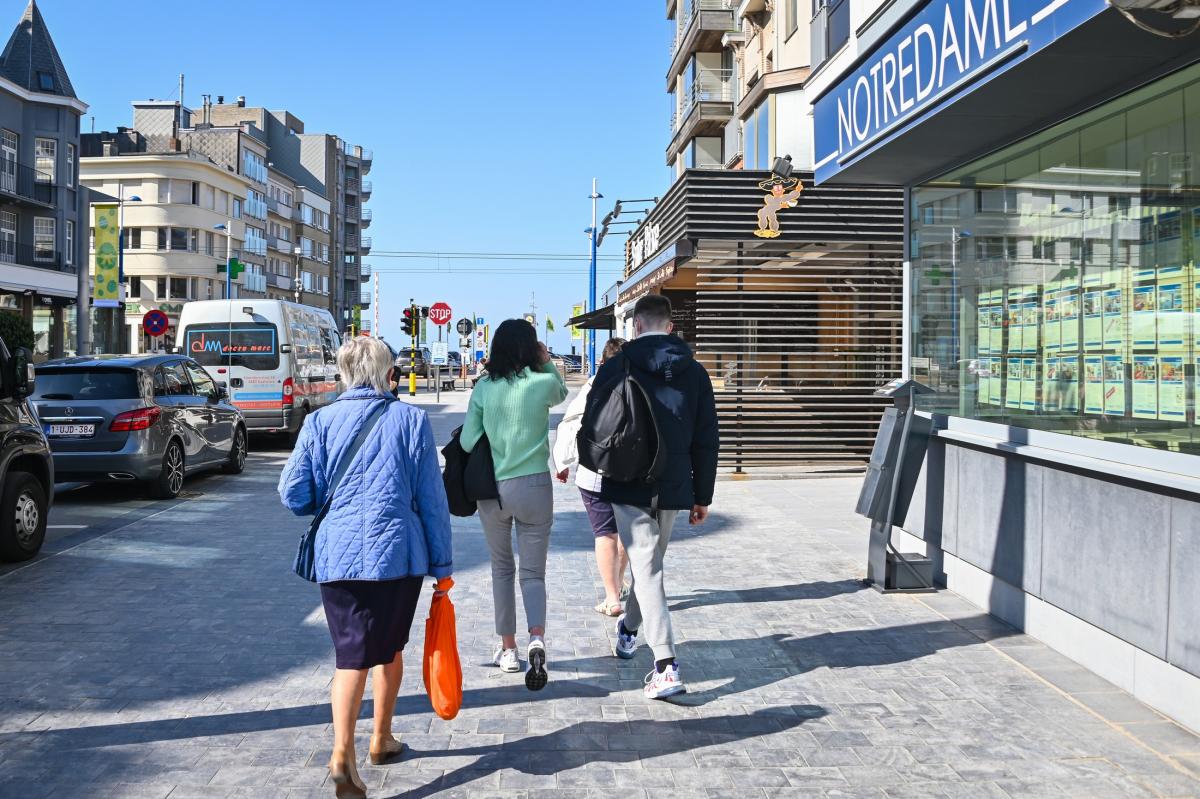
<point>797,331</point>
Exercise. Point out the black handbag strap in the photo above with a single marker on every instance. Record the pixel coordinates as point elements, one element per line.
<point>368,424</point>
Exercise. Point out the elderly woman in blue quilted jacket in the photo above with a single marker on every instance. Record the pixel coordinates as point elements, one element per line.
<point>388,527</point>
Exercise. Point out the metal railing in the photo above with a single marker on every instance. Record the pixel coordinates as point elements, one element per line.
<point>715,86</point>
<point>688,19</point>
<point>366,187</point>
<point>364,297</point>
<point>15,252</point>
<point>352,185</point>
<point>364,214</point>
<point>25,182</point>
<point>364,271</point>
<point>357,151</point>
<point>351,241</point>
<point>364,243</point>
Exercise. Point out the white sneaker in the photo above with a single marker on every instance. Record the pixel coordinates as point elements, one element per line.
<point>535,677</point>
<point>661,684</point>
<point>626,646</point>
<point>506,659</point>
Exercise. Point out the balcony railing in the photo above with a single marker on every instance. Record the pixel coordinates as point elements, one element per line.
<point>352,212</point>
<point>352,185</point>
<point>366,188</point>
<point>280,281</point>
<point>14,252</point>
<point>26,183</point>
<point>357,151</point>
<point>365,216</point>
<point>709,87</point>
<point>364,244</point>
<point>688,17</point>
<point>364,271</point>
<point>364,297</point>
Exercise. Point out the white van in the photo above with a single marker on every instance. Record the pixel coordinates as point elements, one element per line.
<point>277,357</point>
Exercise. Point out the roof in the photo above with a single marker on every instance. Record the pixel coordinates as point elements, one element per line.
<point>129,361</point>
<point>31,60</point>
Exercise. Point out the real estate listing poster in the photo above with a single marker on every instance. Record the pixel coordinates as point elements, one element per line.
<point>1196,314</point>
<point>1172,322</point>
<point>1068,314</point>
<point>1093,386</point>
<point>1172,394</point>
<point>1143,325</point>
<point>1114,385</point>
<point>1029,332</point>
<point>996,383</point>
<point>1016,324</point>
<point>1050,324</point>
<point>1029,375</point>
<point>983,381</point>
<point>1093,320</point>
<point>998,316</point>
<point>1050,393</point>
<point>1068,376</point>
<point>1145,387</point>
<point>983,324</point>
<point>1114,319</point>
<point>1012,379</point>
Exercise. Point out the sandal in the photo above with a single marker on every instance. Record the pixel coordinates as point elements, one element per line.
<point>605,609</point>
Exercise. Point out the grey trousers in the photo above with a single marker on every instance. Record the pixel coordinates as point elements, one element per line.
<point>645,536</point>
<point>527,502</point>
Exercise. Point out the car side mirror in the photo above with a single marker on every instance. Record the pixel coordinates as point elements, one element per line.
<point>222,391</point>
<point>23,375</point>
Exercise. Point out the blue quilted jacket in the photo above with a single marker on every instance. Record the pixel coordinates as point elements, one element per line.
<point>389,517</point>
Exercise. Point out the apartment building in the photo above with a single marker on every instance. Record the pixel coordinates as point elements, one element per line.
<point>324,165</point>
<point>1047,152</point>
<point>282,282</point>
<point>312,222</point>
<point>42,274</point>
<point>181,213</point>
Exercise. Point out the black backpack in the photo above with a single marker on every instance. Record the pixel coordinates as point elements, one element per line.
<point>619,437</point>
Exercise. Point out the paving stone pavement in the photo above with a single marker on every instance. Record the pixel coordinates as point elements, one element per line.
<point>178,657</point>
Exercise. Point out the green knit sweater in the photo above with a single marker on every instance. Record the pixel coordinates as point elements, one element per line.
<point>516,417</point>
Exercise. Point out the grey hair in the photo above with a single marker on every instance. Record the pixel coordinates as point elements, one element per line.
<point>365,361</point>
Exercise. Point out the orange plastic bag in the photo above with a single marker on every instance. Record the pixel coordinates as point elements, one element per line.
<point>443,670</point>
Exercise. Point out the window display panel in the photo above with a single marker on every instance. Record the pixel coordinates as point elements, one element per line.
<point>1055,283</point>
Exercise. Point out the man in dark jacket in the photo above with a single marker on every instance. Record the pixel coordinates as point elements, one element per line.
<point>681,399</point>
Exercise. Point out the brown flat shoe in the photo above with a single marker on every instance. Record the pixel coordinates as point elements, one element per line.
<point>389,751</point>
<point>346,784</point>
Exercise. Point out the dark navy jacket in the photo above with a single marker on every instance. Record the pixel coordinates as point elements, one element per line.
<point>681,397</point>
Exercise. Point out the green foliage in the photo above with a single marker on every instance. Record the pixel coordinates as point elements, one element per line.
<point>15,331</point>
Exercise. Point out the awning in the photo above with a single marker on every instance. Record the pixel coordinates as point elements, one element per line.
<point>45,282</point>
<point>600,319</point>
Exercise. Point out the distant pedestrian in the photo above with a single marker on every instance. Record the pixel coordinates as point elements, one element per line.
<point>387,528</point>
<point>681,400</point>
<point>512,406</point>
<point>611,559</point>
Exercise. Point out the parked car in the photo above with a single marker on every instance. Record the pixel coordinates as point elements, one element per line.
<point>414,360</point>
<point>279,358</point>
<point>26,464</point>
<point>151,418</point>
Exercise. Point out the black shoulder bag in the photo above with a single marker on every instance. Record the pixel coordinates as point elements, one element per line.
<point>306,555</point>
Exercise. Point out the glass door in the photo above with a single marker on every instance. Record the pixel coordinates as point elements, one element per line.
<point>8,236</point>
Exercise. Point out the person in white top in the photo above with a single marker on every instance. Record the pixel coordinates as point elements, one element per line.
<point>610,554</point>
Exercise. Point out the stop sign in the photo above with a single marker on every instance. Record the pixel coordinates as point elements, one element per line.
<point>440,314</point>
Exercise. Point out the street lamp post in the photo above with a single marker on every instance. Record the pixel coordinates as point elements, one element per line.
<point>594,233</point>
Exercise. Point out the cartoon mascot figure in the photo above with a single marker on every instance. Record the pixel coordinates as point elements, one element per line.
<point>781,193</point>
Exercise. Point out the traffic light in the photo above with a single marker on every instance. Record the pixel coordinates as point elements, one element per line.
<point>409,325</point>
<point>424,311</point>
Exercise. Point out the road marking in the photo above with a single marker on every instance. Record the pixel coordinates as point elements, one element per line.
<point>66,526</point>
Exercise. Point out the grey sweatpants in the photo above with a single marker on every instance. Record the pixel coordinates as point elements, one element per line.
<point>529,503</point>
<point>645,536</point>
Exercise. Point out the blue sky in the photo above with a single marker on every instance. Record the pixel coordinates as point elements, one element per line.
<point>488,122</point>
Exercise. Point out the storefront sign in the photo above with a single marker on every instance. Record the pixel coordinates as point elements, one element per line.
<point>944,51</point>
<point>106,266</point>
<point>644,244</point>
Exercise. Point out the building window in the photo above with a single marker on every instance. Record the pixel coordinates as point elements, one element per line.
<point>792,14</point>
<point>8,160</point>
<point>45,81</point>
<point>44,238</point>
<point>209,242</point>
<point>45,153</point>
<point>179,238</point>
<point>70,242</point>
<point>70,164</point>
<point>160,288</point>
<point>237,208</point>
<point>1068,310</point>
<point>179,288</point>
<point>135,287</point>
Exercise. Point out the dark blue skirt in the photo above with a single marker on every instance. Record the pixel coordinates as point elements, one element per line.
<point>369,621</point>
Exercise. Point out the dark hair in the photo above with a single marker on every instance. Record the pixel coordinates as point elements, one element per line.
<point>514,347</point>
<point>654,309</point>
<point>613,347</point>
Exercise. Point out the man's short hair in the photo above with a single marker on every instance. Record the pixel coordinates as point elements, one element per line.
<point>654,310</point>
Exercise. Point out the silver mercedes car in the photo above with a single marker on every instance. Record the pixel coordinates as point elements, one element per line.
<point>149,418</point>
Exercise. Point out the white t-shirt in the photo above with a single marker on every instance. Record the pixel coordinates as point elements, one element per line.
<point>566,451</point>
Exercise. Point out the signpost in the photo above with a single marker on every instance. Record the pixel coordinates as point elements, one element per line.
<point>440,355</point>
<point>155,323</point>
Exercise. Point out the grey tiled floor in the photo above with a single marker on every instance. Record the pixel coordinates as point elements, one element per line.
<point>178,657</point>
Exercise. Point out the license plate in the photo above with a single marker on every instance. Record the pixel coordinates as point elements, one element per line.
<point>70,429</point>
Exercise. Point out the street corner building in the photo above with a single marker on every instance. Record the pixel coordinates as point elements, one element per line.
<point>42,210</point>
<point>1047,151</point>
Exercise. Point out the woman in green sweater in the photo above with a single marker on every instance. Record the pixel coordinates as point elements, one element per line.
<point>512,406</point>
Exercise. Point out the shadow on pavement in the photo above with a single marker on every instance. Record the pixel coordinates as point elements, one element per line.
<point>601,742</point>
<point>824,589</point>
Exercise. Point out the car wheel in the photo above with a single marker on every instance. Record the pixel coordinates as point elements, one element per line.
<point>294,435</point>
<point>169,482</point>
<point>237,454</point>
<point>23,510</point>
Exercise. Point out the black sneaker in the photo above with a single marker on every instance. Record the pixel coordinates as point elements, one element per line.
<point>535,676</point>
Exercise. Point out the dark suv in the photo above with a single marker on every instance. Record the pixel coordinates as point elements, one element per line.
<point>411,360</point>
<point>26,466</point>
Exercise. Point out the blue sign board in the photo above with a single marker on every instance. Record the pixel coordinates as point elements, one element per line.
<point>944,51</point>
